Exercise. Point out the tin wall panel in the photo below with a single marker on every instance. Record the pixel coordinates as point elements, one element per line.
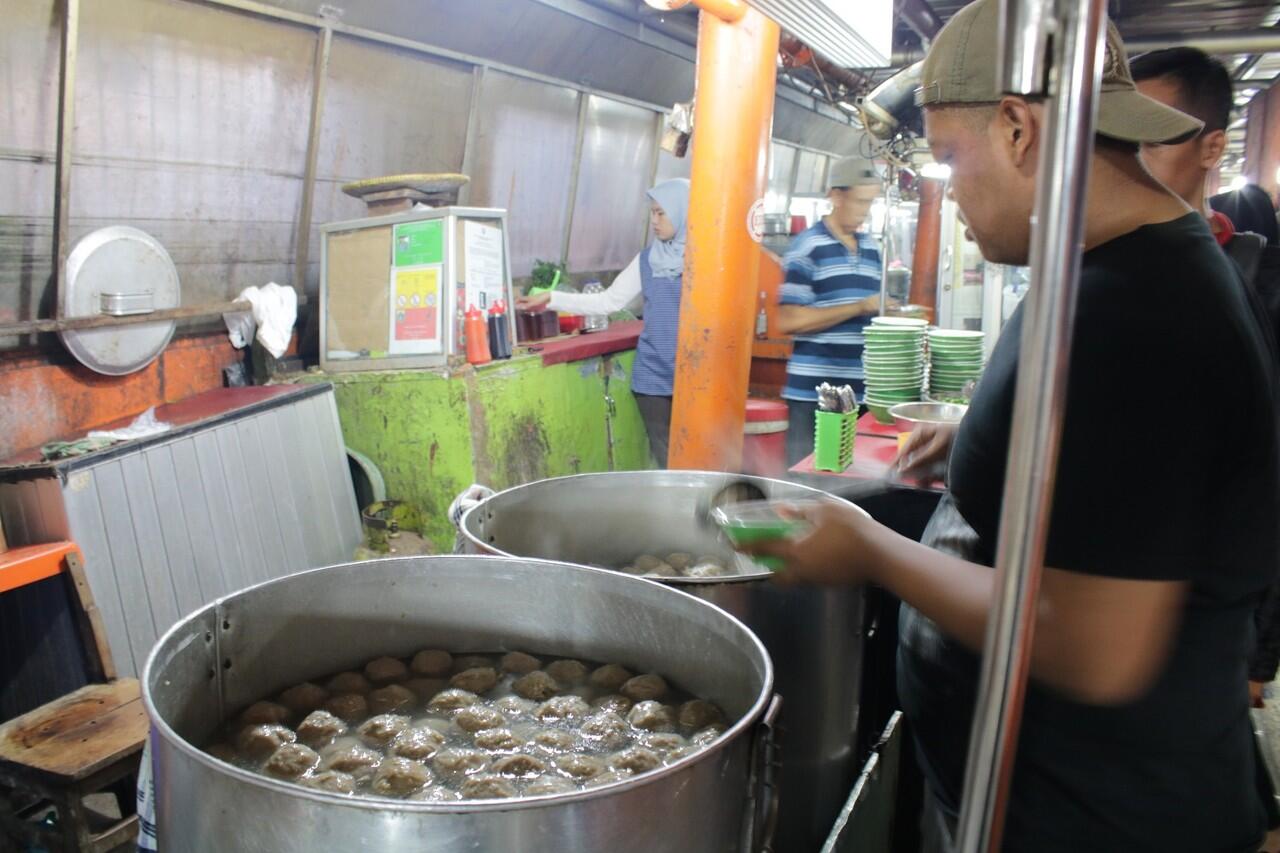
<point>279,489</point>
<point>260,511</point>
<point>29,49</point>
<point>140,517</point>
<point>523,157</point>
<point>322,412</point>
<point>670,166</point>
<point>211,553</point>
<point>782,160</point>
<point>191,124</point>
<point>172,526</point>
<point>121,566</point>
<point>234,472</point>
<point>222,511</point>
<point>84,507</point>
<point>610,210</point>
<point>812,175</point>
<point>386,112</point>
<point>533,35</point>
<point>322,525</point>
<point>176,540</point>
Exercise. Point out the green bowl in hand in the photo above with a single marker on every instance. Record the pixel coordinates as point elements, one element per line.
<point>755,522</point>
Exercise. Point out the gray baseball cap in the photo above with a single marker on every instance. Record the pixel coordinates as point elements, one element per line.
<point>852,172</point>
<point>962,68</point>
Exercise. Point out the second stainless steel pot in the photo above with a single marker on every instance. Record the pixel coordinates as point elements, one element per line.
<point>815,636</point>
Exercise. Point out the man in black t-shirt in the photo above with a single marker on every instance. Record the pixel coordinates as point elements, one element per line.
<point>1190,80</point>
<point>1135,733</point>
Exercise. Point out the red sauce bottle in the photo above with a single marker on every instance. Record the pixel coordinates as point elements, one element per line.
<point>476,331</point>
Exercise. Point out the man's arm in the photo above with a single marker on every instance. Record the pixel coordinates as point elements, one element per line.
<point>802,319</point>
<point>1101,640</point>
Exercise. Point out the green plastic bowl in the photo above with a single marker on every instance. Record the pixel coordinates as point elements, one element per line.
<point>881,412</point>
<point>753,522</point>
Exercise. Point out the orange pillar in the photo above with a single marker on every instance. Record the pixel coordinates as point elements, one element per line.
<point>924,264</point>
<point>732,126</point>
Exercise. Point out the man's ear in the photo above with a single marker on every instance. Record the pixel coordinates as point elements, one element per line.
<point>1212,145</point>
<point>1017,129</point>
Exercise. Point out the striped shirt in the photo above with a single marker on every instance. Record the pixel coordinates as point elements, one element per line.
<point>822,272</point>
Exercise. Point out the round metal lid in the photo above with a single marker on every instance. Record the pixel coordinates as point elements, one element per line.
<point>119,270</point>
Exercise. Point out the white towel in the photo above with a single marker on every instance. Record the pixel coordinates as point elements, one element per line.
<point>275,310</point>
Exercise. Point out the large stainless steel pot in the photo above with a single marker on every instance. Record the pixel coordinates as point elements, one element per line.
<point>267,637</point>
<point>814,635</point>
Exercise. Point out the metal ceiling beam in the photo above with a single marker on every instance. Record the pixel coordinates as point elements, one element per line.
<point>624,25</point>
<point>1245,67</point>
<point>1264,40</point>
<point>1229,43</point>
<point>920,17</point>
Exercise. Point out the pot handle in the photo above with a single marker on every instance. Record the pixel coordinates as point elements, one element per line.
<point>763,781</point>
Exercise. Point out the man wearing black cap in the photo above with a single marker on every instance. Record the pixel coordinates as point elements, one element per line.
<point>1135,734</point>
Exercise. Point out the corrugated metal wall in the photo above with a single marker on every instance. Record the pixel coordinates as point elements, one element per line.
<point>170,527</point>
<point>192,123</point>
<point>610,213</point>
<point>524,147</point>
<point>28,121</point>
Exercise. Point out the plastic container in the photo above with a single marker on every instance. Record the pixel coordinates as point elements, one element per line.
<point>753,522</point>
<point>570,323</point>
<point>833,437</point>
<point>548,324</point>
<point>536,325</point>
<point>477,333</point>
<point>594,322</point>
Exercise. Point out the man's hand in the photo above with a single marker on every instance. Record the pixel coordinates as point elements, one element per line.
<point>871,305</point>
<point>924,455</point>
<point>533,303</point>
<point>1255,694</point>
<point>830,552</point>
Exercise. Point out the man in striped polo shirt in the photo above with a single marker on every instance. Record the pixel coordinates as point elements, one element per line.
<point>831,292</point>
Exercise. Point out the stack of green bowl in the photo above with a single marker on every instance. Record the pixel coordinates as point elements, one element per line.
<point>955,359</point>
<point>893,359</point>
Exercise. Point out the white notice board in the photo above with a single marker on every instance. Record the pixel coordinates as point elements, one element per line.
<point>482,248</point>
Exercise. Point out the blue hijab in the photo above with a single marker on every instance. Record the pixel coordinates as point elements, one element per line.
<point>666,257</point>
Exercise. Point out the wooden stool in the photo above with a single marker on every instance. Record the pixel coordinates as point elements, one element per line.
<point>72,747</point>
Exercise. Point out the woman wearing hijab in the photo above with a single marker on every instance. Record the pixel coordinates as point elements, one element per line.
<point>655,274</point>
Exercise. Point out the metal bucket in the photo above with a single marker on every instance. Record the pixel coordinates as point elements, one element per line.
<point>265,638</point>
<point>815,636</point>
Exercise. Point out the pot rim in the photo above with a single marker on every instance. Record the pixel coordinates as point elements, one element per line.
<point>160,727</point>
<point>754,577</point>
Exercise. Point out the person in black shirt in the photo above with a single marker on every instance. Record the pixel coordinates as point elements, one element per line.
<point>1197,84</point>
<point>1135,733</point>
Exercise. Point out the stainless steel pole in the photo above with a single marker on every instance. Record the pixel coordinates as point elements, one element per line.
<point>1071,79</point>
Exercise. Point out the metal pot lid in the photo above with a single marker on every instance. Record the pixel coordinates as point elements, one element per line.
<point>119,270</point>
